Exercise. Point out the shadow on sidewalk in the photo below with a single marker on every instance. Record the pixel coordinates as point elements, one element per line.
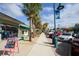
<point>45,44</point>
<point>63,49</point>
<point>6,53</point>
<point>23,40</point>
<point>48,43</point>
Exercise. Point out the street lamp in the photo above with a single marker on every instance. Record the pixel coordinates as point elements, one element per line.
<point>60,7</point>
<point>55,37</point>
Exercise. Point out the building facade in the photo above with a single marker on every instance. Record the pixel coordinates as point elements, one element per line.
<point>12,26</point>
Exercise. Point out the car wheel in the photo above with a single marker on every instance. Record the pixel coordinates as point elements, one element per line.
<point>70,40</point>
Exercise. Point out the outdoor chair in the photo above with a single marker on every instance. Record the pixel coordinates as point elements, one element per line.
<point>11,44</point>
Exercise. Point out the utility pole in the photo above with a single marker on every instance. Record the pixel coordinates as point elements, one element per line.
<point>55,38</point>
<point>54,18</point>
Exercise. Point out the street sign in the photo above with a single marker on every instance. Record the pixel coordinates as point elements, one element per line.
<point>57,14</point>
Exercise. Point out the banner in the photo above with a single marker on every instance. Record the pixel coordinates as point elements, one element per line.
<point>57,14</point>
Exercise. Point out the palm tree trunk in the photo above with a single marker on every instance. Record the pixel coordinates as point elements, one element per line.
<point>30,36</point>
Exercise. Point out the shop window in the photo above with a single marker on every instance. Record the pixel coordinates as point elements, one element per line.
<point>22,32</point>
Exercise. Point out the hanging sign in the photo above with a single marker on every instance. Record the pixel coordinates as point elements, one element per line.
<point>57,14</point>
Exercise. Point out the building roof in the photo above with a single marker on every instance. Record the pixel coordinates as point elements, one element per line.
<point>5,18</point>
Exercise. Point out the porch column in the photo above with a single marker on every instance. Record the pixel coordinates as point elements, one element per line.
<point>19,33</point>
<point>0,31</point>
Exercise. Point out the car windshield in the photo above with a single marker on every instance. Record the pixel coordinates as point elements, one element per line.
<point>66,34</point>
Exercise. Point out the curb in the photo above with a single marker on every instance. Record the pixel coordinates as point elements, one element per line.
<point>56,54</point>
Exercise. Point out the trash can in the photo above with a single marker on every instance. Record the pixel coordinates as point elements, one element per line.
<point>55,41</point>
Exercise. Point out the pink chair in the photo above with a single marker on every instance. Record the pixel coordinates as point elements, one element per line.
<point>11,48</point>
<point>17,44</point>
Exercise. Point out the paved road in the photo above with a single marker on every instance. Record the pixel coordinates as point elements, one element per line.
<point>41,48</point>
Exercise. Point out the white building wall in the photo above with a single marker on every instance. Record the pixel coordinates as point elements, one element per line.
<point>25,35</point>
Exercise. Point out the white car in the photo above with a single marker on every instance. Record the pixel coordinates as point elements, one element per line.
<point>50,34</point>
<point>66,36</point>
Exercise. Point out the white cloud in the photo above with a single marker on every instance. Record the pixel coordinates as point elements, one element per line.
<point>47,9</point>
<point>11,9</point>
<point>48,18</point>
<point>70,11</point>
<point>15,9</point>
<point>70,15</point>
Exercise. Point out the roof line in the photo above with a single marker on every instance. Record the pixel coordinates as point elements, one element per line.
<point>11,17</point>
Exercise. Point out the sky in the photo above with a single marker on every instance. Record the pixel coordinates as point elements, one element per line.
<point>69,16</point>
<point>14,11</point>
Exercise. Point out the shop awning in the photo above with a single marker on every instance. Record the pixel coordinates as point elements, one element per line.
<point>25,27</point>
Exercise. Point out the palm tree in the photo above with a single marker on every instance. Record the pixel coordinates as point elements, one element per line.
<point>45,25</point>
<point>31,11</point>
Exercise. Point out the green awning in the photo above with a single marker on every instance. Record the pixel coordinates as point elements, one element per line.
<point>25,27</point>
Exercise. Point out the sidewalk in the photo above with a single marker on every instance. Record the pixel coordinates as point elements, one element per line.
<point>24,47</point>
<point>42,48</point>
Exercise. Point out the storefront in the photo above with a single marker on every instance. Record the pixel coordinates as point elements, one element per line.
<point>23,31</point>
<point>11,26</point>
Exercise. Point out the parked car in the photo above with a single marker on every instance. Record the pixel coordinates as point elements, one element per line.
<point>75,45</point>
<point>50,34</point>
<point>66,37</point>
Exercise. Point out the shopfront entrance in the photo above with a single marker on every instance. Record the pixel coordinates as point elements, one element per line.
<point>9,31</point>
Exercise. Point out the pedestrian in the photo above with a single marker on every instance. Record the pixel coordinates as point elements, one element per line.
<point>58,33</point>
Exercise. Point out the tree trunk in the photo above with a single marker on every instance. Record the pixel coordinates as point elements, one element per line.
<point>30,36</point>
